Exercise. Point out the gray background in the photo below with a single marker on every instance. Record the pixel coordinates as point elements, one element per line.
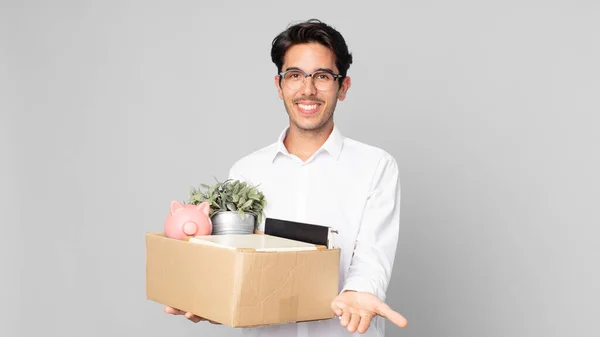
<point>110,110</point>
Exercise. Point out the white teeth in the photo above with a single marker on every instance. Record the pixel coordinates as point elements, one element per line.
<point>307,107</point>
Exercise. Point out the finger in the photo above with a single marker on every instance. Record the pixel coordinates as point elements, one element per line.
<point>365,322</point>
<point>193,317</point>
<point>354,321</point>
<point>345,318</point>
<point>385,311</point>
<point>336,308</point>
<point>173,311</point>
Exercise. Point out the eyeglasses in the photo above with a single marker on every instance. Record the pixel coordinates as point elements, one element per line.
<point>323,80</point>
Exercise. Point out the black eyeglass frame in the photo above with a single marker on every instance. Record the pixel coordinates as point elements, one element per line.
<point>335,76</point>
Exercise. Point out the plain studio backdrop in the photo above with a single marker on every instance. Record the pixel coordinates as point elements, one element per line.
<point>111,109</point>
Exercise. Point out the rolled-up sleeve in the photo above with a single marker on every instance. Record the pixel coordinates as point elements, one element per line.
<point>375,249</point>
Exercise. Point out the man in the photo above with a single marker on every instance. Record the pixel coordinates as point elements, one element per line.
<point>315,175</point>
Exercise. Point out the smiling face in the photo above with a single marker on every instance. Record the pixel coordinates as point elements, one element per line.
<point>310,109</point>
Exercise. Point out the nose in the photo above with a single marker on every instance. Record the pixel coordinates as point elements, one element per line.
<point>189,228</point>
<point>309,88</point>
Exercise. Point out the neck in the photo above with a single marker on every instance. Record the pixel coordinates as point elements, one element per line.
<point>304,143</point>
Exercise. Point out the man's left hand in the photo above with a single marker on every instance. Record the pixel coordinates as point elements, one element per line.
<point>356,309</point>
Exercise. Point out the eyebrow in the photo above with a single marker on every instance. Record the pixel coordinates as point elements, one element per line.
<point>319,69</point>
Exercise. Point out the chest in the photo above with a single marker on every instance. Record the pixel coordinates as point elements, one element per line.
<point>326,195</point>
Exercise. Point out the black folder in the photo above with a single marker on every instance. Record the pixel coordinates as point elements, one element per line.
<point>311,233</point>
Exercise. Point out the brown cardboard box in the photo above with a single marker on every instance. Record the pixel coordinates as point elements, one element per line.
<point>243,287</point>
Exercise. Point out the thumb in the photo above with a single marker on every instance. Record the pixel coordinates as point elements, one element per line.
<point>384,310</point>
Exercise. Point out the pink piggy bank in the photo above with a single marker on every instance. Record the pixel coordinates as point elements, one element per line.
<point>188,220</point>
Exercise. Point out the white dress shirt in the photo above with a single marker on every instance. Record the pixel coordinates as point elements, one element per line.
<point>347,185</point>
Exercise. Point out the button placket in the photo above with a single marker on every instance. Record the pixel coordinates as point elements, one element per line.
<point>302,206</point>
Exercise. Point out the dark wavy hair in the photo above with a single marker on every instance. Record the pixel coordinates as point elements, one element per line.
<point>312,30</point>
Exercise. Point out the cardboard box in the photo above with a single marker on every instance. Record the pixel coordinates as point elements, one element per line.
<point>241,287</point>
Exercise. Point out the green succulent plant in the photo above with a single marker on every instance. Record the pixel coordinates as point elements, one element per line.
<point>230,195</point>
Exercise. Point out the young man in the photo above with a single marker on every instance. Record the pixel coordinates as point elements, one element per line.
<point>313,174</point>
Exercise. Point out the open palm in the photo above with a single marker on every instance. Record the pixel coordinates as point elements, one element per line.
<point>357,309</point>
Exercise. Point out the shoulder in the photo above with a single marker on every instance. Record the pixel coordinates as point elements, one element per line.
<point>378,166</point>
<point>355,150</point>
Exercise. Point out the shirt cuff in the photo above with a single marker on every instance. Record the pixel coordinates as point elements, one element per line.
<point>362,285</point>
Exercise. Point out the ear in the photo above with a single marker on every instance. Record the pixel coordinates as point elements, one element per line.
<point>204,207</point>
<point>344,88</point>
<point>279,90</point>
<point>175,205</point>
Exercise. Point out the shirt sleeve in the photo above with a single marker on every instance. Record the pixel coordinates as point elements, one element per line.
<point>377,239</point>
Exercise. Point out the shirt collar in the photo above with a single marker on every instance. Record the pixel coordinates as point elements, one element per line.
<point>333,145</point>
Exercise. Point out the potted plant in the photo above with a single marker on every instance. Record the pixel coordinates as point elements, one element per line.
<point>235,206</point>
